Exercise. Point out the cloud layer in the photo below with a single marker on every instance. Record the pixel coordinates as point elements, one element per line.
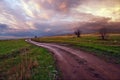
<point>49,17</point>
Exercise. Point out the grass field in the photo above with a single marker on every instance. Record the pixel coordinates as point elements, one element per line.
<point>20,60</point>
<point>109,49</point>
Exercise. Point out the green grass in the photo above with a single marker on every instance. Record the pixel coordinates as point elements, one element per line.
<point>7,46</point>
<point>23,61</point>
<point>108,48</point>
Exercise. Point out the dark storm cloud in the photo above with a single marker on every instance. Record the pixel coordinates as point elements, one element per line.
<point>95,24</point>
<point>54,29</point>
<point>3,27</point>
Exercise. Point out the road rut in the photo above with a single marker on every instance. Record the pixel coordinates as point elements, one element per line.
<point>79,65</point>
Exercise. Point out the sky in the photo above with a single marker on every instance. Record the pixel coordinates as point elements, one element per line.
<point>27,18</point>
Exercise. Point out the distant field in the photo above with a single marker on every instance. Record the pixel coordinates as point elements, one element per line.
<point>22,61</point>
<point>109,49</point>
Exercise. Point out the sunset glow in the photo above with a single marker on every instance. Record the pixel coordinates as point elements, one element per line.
<point>46,17</point>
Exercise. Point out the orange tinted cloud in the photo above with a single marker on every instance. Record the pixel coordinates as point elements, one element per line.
<point>63,7</point>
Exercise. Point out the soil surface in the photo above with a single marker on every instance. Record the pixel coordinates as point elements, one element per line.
<point>79,65</point>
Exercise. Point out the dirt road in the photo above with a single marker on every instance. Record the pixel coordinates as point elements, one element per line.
<point>79,65</point>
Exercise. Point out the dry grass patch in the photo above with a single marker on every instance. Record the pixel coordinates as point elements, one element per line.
<point>22,71</point>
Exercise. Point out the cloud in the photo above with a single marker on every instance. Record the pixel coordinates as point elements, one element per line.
<point>3,27</point>
<point>59,5</point>
<point>95,24</point>
<point>47,29</point>
<point>49,17</point>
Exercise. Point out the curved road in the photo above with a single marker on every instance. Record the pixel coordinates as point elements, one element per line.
<point>79,65</point>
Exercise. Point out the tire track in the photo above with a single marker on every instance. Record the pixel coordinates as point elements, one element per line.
<point>79,65</point>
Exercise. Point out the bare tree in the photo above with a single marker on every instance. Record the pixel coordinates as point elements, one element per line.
<point>103,33</point>
<point>77,32</point>
<point>35,37</point>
